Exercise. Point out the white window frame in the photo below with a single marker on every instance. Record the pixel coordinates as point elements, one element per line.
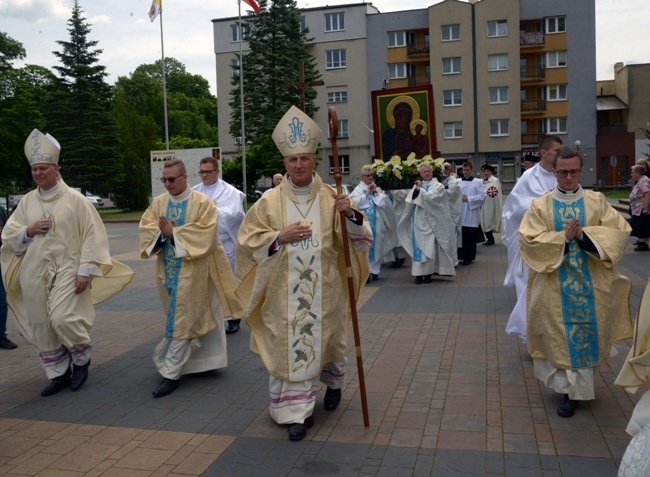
<point>234,68</point>
<point>396,39</point>
<point>556,59</point>
<point>500,61</point>
<point>453,65</point>
<point>556,92</point>
<point>501,95</point>
<point>343,132</point>
<point>452,98</point>
<point>397,71</point>
<point>334,21</point>
<point>453,130</point>
<point>337,97</point>
<point>496,28</point>
<point>499,127</point>
<point>234,32</point>
<point>450,32</point>
<point>344,164</point>
<point>556,126</point>
<point>554,25</point>
<point>335,59</point>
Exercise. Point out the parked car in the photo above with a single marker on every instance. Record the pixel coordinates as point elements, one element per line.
<point>94,199</point>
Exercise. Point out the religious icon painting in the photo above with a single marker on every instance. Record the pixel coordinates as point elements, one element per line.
<point>404,122</point>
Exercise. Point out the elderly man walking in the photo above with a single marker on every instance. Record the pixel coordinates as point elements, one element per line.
<point>54,247</point>
<point>292,275</point>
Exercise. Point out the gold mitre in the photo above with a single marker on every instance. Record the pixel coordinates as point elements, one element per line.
<point>42,148</point>
<point>296,133</point>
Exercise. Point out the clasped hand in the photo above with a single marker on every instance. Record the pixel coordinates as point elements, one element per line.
<point>166,226</point>
<point>573,230</point>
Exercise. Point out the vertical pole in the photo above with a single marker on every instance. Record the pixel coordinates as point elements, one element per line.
<point>164,82</point>
<point>241,105</point>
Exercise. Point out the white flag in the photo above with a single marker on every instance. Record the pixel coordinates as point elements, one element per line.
<point>155,10</point>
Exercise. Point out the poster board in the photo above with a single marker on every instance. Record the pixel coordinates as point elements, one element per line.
<point>190,157</point>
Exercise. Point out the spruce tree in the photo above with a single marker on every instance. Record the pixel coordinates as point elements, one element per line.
<point>277,45</point>
<point>81,118</point>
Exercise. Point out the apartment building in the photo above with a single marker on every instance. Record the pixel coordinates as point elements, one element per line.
<point>503,73</point>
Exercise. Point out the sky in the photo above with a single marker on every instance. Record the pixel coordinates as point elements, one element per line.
<point>128,38</point>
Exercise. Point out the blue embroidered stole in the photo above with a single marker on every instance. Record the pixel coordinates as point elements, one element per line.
<point>175,212</point>
<point>417,253</point>
<point>577,293</point>
<point>371,215</point>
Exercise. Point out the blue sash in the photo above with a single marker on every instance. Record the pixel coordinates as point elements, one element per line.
<point>176,213</point>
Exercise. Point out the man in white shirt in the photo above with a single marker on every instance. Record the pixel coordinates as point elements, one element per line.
<point>230,204</point>
<point>277,178</point>
<point>473,197</point>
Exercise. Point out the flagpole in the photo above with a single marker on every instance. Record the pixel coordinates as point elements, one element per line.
<point>164,81</point>
<point>241,104</point>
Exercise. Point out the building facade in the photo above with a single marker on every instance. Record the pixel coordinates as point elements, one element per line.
<point>503,73</point>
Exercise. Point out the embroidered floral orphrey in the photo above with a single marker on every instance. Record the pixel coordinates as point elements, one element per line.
<point>304,318</point>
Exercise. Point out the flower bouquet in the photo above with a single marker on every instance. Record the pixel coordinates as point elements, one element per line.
<point>399,174</point>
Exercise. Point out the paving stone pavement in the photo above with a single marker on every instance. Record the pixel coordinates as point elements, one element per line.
<point>449,393</point>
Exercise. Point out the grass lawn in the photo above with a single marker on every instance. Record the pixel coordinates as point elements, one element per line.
<point>616,193</point>
<point>119,215</point>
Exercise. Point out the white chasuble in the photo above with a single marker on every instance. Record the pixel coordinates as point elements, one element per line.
<point>304,293</point>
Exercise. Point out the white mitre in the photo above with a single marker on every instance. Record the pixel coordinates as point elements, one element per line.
<point>296,133</point>
<point>42,148</point>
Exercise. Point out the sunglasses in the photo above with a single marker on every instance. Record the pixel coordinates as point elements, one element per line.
<point>171,180</point>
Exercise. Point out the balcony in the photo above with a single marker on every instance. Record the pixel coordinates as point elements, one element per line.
<point>530,139</point>
<point>419,80</point>
<point>533,106</point>
<point>418,49</point>
<point>532,73</point>
<point>613,130</point>
<point>531,38</point>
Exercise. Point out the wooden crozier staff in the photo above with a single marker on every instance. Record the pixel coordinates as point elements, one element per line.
<point>334,132</point>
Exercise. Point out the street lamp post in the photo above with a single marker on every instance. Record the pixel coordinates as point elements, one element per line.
<point>578,143</point>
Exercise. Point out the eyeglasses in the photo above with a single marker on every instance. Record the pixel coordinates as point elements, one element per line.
<point>366,175</point>
<point>573,172</point>
<point>205,173</point>
<point>171,180</point>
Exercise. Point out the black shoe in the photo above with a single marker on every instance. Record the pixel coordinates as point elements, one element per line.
<point>568,407</point>
<point>332,399</point>
<point>6,343</point>
<point>400,262</point>
<point>233,327</point>
<point>166,386</point>
<point>58,384</point>
<point>79,376</point>
<point>374,276</point>
<point>464,263</point>
<point>298,431</point>
<point>427,279</point>
<point>418,280</point>
<point>489,242</point>
<point>642,247</point>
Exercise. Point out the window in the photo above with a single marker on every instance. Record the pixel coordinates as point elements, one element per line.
<point>335,59</point>
<point>453,130</point>
<point>555,24</point>
<point>344,163</point>
<point>556,59</point>
<point>234,32</point>
<point>498,28</point>
<point>337,97</point>
<point>498,62</point>
<point>452,97</point>
<point>396,38</point>
<point>499,127</point>
<point>335,21</point>
<point>303,23</point>
<point>234,68</point>
<point>556,126</point>
<point>499,95</point>
<point>451,66</point>
<point>450,32</point>
<point>556,92</point>
<point>397,70</point>
<point>343,128</point>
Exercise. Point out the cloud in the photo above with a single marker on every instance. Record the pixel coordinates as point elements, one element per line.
<point>35,10</point>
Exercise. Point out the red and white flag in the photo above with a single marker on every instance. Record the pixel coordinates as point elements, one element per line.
<point>253,4</point>
<point>155,10</point>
